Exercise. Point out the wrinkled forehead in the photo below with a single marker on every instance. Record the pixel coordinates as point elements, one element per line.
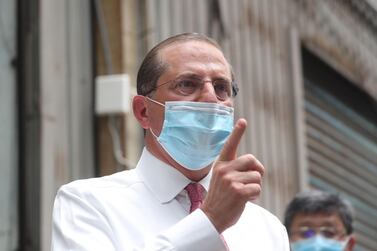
<point>184,52</point>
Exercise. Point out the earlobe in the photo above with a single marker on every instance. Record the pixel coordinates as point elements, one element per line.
<point>140,111</point>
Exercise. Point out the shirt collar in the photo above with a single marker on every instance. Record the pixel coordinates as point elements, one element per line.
<point>163,180</point>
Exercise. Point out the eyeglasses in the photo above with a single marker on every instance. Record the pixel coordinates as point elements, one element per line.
<point>326,231</point>
<point>189,85</point>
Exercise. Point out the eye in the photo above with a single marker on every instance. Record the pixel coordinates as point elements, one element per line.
<point>222,88</point>
<point>186,86</point>
<point>328,232</point>
<point>307,233</point>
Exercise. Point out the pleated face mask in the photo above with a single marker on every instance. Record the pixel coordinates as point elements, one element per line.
<point>319,243</point>
<point>194,133</point>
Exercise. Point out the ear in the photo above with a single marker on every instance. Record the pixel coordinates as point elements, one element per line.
<point>351,243</point>
<point>140,111</point>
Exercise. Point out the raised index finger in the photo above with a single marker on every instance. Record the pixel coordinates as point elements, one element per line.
<point>229,151</point>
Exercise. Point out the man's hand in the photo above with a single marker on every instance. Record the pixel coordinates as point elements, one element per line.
<point>235,180</point>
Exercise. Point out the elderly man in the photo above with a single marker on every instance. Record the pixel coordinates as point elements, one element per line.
<point>190,190</point>
<point>319,221</point>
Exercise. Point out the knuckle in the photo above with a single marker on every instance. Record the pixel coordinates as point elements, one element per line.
<point>258,177</point>
<point>261,168</point>
<point>227,179</point>
<point>238,190</point>
<point>258,189</point>
<point>255,191</point>
<point>221,170</point>
<point>254,163</point>
<point>234,186</point>
<point>250,158</point>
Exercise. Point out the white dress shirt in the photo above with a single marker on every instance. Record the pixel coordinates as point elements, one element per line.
<point>147,208</point>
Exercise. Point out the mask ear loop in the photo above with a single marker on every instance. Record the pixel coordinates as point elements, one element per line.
<point>156,102</point>
<point>150,129</point>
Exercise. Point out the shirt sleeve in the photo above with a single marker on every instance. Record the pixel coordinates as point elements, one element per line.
<point>194,232</point>
<point>80,226</point>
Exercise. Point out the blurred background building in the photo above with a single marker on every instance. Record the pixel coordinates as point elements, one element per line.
<point>307,72</point>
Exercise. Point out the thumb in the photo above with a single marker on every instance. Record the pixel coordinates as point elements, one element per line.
<point>229,151</point>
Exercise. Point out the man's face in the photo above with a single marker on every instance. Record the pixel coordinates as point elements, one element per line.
<point>328,225</point>
<point>194,58</point>
<point>198,60</point>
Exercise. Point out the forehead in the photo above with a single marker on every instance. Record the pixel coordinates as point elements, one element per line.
<point>194,56</point>
<point>317,220</point>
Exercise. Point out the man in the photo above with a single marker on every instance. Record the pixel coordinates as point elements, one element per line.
<point>185,100</point>
<point>319,221</point>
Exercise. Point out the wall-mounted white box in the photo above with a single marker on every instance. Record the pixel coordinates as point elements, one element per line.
<point>112,94</point>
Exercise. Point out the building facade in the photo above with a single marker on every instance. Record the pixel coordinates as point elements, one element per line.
<point>308,88</point>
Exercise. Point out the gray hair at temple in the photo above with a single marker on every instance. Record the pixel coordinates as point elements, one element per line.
<point>314,202</point>
<point>153,66</point>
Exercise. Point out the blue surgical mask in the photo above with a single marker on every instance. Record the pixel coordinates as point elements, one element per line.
<point>318,243</point>
<point>194,133</point>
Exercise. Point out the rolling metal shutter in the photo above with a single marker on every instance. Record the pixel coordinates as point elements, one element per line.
<point>342,157</point>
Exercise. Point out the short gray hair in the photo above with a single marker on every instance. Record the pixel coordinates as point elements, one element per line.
<point>314,202</point>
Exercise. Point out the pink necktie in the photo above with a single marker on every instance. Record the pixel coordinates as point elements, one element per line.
<point>195,192</point>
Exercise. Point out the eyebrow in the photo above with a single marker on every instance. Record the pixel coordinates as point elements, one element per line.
<point>189,75</point>
<point>196,76</point>
<point>305,224</point>
<point>313,224</point>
